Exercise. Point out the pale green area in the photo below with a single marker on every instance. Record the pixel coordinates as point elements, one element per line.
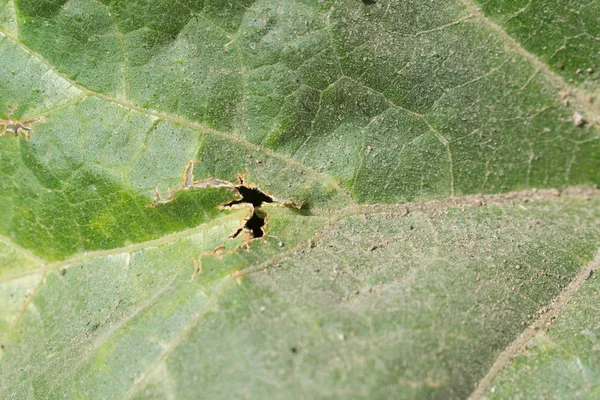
<point>14,296</point>
<point>125,309</point>
<point>15,260</point>
<point>378,305</point>
<point>14,292</point>
<point>8,17</point>
<point>562,361</point>
<point>29,85</point>
<point>323,104</point>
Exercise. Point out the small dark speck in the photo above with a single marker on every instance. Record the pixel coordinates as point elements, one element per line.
<point>590,274</point>
<point>294,350</point>
<point>369,2</point>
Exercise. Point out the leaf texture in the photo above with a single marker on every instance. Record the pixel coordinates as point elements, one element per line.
<point>431,167</point>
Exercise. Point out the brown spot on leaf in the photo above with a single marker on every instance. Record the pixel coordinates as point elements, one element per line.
<point>197,267</point>
<point>19,127</point>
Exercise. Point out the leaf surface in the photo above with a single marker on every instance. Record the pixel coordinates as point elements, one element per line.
<point>421,159</point>
<point>561,360</point>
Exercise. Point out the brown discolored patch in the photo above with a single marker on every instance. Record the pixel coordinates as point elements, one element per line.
<point>197,267</point>
<point>237,275</point>
<point>217,252</point>
<point>19,127</point>
<point>187,183</point>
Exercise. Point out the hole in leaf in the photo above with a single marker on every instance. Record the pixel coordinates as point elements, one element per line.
<point>250,195</point>
<point>255,225</point>
<point>253,196</point>
<point>256,198</point>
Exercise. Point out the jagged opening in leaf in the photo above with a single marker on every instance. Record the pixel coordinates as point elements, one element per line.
<point>255,225</point>
<point>250,195</point>
<point>256,198</point>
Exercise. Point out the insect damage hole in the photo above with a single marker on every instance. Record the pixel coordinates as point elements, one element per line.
<point>250,195</point>
<point>255,197</point>
<point>255,225</point>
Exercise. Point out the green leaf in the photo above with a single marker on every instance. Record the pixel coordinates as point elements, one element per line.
<point>429,169</point>
<point>560,361</point>
<point>563,35</point>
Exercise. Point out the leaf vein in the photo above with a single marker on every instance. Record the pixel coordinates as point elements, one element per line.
<point>592,111</point>
<point>552,311</point>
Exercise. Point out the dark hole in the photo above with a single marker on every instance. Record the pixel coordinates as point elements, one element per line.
<point>369,2</point>
<point>294,350</point>
<point>252,196</point>
<point>255,197</point>
<point>255,225</point>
